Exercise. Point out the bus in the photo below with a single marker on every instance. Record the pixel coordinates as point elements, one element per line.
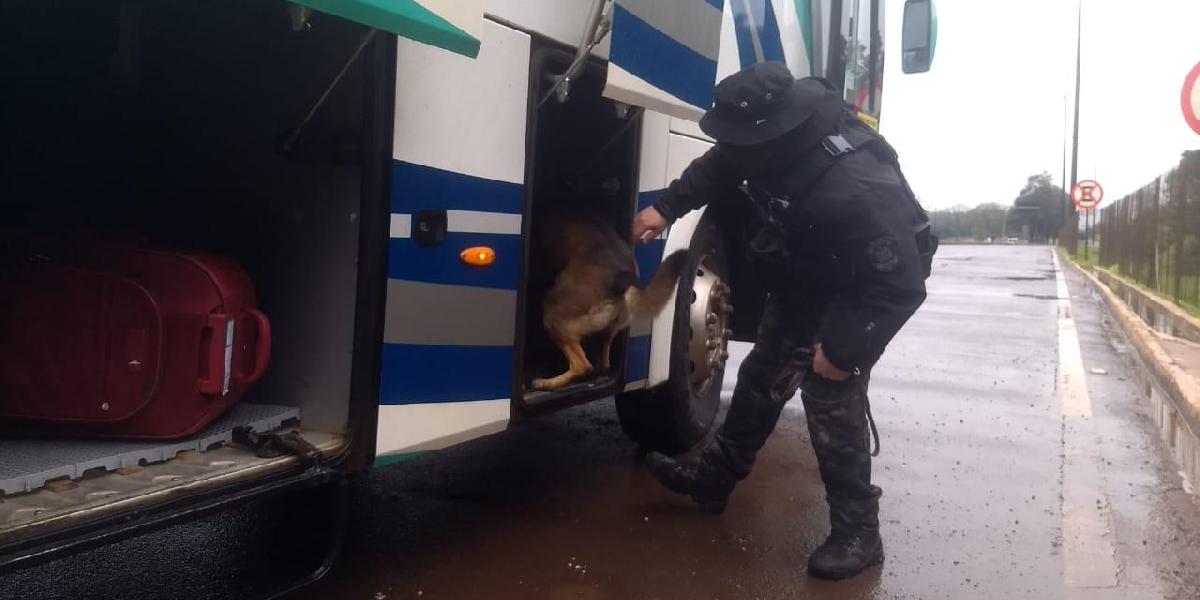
<point>346,153</point>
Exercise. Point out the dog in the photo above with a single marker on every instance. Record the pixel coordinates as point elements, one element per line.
<point>596,290</point>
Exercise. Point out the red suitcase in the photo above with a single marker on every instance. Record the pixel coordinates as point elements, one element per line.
<point>124,340</point>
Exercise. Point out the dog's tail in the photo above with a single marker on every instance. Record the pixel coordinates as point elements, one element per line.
<point>650,300</point>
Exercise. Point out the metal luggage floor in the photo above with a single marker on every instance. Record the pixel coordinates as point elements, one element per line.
<point>27,464</point>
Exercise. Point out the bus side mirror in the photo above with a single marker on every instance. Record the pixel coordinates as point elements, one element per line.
<point>919,37</point>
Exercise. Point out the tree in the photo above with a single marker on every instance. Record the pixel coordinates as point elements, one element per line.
<point>1037,212</point>
<point>961,223</point>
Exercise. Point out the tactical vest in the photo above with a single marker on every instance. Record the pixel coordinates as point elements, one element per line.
<point>850,135</point>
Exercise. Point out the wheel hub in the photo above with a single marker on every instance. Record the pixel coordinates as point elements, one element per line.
<point>709,328</point>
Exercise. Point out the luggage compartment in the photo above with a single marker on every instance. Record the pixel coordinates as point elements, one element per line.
<point>173,124</point>
<point>121,340</point>
<point>583,158</point>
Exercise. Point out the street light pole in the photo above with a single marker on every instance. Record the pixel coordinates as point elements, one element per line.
<point>1066,199</point>
<point>1075,133</point>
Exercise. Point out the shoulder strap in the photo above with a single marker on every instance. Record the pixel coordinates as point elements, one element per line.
<point>863,136</point>
<point>844,140</point>
<point>887,153</point>
<point>922,228</point>
<point>850,135</point>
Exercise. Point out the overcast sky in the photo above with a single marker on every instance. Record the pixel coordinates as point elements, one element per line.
<point>990,112</point>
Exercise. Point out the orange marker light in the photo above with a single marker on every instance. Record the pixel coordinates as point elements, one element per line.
<point>478,256</point>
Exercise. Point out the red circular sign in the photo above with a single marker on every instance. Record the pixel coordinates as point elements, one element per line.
<point>1189,99</point>
<point>1087,194</point>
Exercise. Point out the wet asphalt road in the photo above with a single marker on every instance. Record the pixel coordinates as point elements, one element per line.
<point>1010,470</point>
<point>993,487</point>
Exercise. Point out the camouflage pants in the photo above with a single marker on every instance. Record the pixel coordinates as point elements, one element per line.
<point>779,364</point>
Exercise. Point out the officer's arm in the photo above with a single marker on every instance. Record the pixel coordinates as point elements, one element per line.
<point>887,284</point>
<point>707,178</point>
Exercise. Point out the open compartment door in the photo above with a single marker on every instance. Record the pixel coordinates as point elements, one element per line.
<point>457,184</point>
<point>455,25</point>
<point>664,55</point>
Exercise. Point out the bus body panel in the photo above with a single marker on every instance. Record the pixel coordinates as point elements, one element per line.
<point>449,333</point>
<point>652,182</point>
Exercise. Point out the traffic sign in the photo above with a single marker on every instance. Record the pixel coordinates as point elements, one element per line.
<point>1087,194</point>
<point>1189,99</point>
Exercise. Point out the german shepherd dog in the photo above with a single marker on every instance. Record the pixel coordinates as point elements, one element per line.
<point>596,290</point>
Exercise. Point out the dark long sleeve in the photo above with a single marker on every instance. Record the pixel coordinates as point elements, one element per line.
<point>707,178</point>
<point>886,285</point>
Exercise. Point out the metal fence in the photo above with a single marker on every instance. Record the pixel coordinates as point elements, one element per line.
<point>1153,235</point>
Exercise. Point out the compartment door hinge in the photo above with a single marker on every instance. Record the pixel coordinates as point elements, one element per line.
<point>598,24</point>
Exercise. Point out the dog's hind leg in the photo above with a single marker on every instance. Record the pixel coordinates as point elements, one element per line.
<point>606,351</point>
<point>578,366</point>
<point>622,320</point>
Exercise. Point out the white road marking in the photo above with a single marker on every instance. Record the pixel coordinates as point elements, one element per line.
<point>1089,558</point>
<point>1075,399</point>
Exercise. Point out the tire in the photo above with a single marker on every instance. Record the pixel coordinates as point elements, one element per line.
<point>678,414</point>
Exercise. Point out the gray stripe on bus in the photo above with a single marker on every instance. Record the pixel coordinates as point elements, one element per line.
<point>640,327</point>
<point>448,315</point>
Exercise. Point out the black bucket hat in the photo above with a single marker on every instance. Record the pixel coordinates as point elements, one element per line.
<point>760,103</point>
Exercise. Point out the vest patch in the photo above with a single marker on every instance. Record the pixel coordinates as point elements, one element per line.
<point>883,254</point>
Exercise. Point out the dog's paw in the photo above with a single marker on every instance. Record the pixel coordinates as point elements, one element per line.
<point>544,385</point>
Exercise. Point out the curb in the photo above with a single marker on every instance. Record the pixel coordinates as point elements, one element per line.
<point>1166,316</point>
<point>1179,417</point>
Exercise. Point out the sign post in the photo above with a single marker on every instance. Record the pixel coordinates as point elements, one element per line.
<point>1087,195</point>
<point>1189,99</point>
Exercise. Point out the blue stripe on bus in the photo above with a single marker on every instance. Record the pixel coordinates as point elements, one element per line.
<point>416,187</point>
<point>637,362</point>
<point>441,263</point>
<point>742,33</point>
<point>717,4</point>
<point>772,41</point>
<point>421,374</point>
<point>762,14</point>
<point>660,60</point>
<point>648,257</point>
<point>648,198</point>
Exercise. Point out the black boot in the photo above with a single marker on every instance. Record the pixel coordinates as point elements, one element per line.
<point>839,427</point>
<point>764,385</point>
<point>705,479</point>
<point>767,379</point>
<point>853,545</point>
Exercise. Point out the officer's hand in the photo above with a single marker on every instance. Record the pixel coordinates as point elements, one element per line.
<point>824,368</point>
<point>648,225</point>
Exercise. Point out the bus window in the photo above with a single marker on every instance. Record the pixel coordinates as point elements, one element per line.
<point>860,56</point>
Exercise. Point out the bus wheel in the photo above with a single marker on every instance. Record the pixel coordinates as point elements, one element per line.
<point>676,415</point>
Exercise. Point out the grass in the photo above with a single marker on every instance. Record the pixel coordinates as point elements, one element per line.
<point>1092,259</point>
<point>1093,262</point>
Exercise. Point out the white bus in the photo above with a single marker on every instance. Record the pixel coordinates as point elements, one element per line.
<point>346,153</point>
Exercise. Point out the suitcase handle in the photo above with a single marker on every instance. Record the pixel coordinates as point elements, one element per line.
<point>212,348</point>
<point>262,348</point>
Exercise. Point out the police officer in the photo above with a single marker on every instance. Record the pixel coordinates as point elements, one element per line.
<point>844,247</point>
